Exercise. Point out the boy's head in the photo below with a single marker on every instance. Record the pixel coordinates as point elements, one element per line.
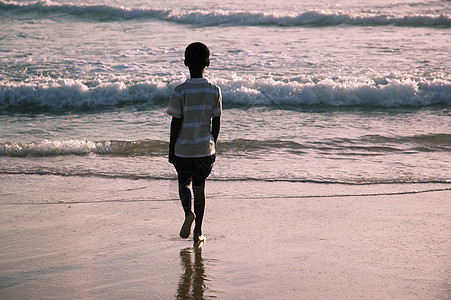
<point>197,56</point>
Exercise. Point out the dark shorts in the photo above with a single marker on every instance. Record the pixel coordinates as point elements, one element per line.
<point>196,169</point>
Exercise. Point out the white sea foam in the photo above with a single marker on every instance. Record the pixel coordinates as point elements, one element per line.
<point>82,147</point>
<point>225,17</point>
<point>75,94</point>
<point>392,92</point>
<point>52,148</point>
<point>368,144</point>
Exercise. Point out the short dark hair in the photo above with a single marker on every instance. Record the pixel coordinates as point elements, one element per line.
<point>197,56</point>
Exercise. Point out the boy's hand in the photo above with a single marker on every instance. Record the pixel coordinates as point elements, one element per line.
<point>215,127</point>
<point>176,125</point>
<point>171,156</point>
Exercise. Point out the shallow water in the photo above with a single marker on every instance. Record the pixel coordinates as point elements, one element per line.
<point>349,92</point>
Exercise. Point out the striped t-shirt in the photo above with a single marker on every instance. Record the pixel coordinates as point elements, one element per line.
<point>195,101</point>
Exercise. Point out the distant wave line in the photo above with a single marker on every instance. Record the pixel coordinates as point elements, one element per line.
<point>86,174</point>
<point>352,195</point>
<point>83,147</point>
<point>223,179</point>
<point>93,202</point>
<point>201,18</point>
<point>239,197</point>
<point>367,145</point>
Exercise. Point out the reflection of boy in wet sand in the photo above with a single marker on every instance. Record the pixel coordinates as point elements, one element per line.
<point>192,282</point>
<point>195,107</point>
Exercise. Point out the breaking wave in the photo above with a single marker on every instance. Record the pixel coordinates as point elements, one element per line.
<point>247,92</point>
<point>104,13</point>
<point>83,147</point>
<point>367,145</point>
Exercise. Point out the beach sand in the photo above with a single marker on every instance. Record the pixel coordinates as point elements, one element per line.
<point>95,238</point>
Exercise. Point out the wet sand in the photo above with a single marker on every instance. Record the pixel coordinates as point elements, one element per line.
<point>93,238</point>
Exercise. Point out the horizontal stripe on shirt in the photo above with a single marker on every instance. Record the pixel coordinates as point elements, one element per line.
<point>195,124</point>
<point>194,141</point>
<point>196,107</point>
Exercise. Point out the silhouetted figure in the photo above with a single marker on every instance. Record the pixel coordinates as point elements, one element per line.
<point>195,107</point>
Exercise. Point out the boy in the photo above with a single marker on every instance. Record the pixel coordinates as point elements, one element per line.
<point>195,107</point>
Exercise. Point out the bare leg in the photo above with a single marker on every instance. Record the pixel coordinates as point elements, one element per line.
<point>185,197</point>
<point>185,192</point>
<point>199,208</point>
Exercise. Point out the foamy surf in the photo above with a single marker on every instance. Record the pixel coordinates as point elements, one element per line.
<point>82,147</point>
<point>220,17</point>
<point>366,145</point>
<point>245,91</point>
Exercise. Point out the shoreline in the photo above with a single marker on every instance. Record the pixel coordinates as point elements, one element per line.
<point>290,241</point>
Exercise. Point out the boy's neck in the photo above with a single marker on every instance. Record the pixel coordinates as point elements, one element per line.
<point>197,73</point>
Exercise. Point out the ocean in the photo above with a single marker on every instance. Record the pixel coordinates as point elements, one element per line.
<point>349,92</point>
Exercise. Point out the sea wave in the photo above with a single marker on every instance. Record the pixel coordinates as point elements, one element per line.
<point>199,18</point>
<point>129,176</point>
<point>366,145</point>
<point>386,92</point>
<point>82,147</point>
<point>64,94</point>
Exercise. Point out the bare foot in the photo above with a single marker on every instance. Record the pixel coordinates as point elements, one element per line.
<point>186,227</point>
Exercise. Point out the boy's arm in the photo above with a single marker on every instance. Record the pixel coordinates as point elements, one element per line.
<point>215,127</point>
<point>176,125</point>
